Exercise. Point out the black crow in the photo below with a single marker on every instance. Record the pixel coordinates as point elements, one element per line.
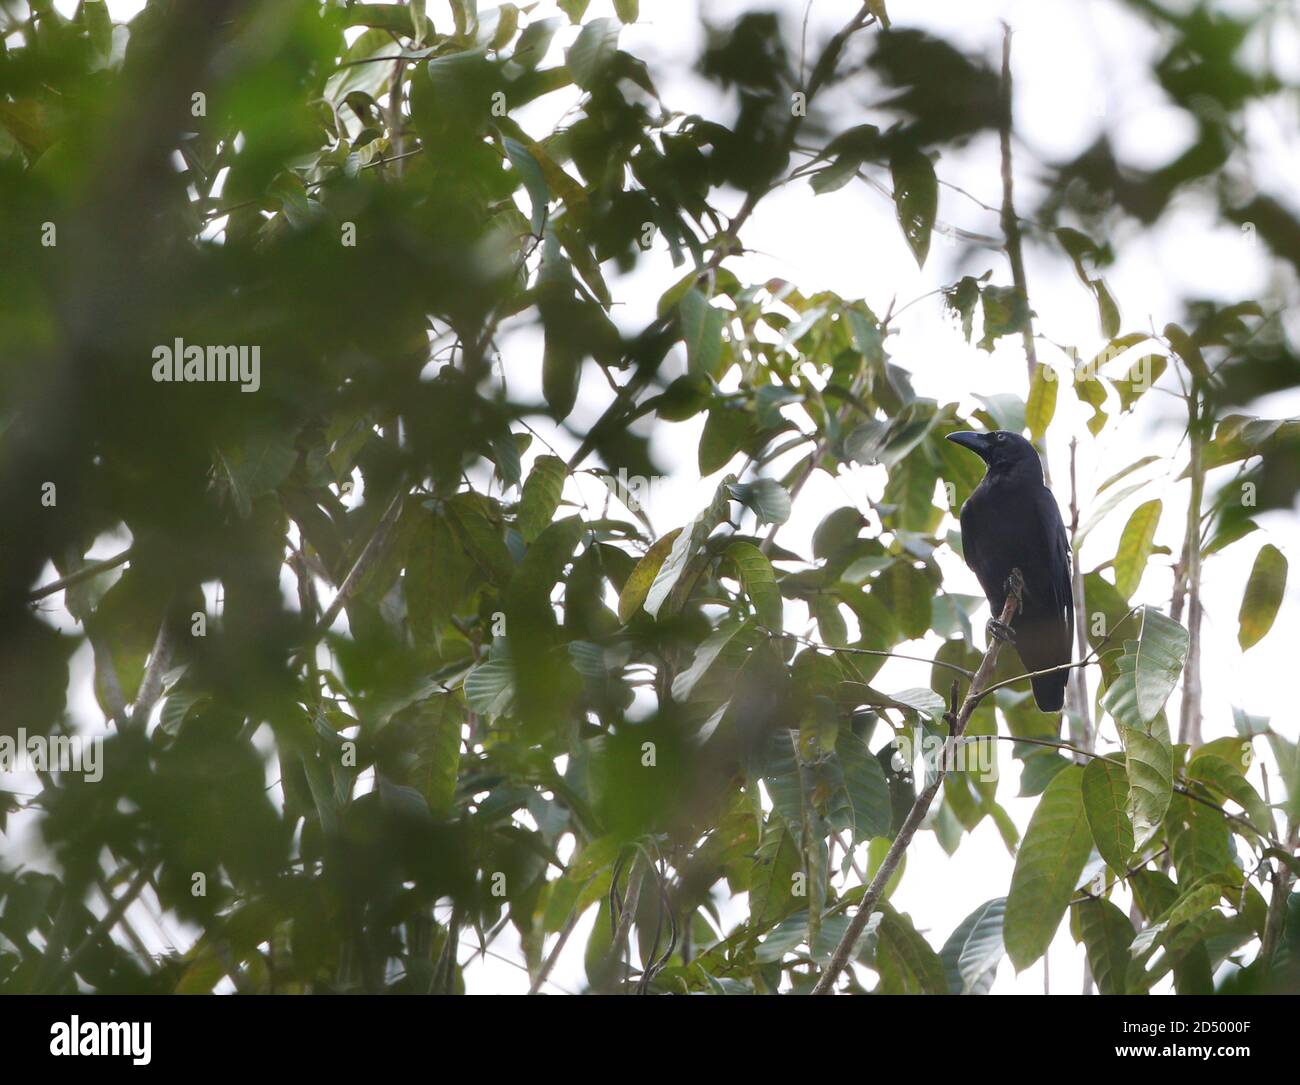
<point>1011,522</point>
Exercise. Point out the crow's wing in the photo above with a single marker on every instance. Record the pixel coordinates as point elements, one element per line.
<point>982,564</point>
<point>1045,636</point>
<point>1058,550</point>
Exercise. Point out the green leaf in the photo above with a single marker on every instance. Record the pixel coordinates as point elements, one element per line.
<point>1263,596</point>
<point>838,174</point>
<point>1005,313</point>
<point>725,430</point>
<point>686,547</point>
<point>627,10</point>
<point>561,375</point>
<point>971,954</point>
<point>437,752</point>
<point>1105,799</point>
<point>593,51</point>
<point>705,655</point>
<point>766,497</point>
<point>1091,389</point>
<point>962,299</point>
<point>490,688</point>
<point>1135,546</point>
<point>1161,653</point>
<point>1148,758</point>
<point>759,581</point>
<point>530,49</point>
<point>906,592</point>
<point>907,963</point>
<point>776,862</point>
<point>1004,410</point>
<point>1107,935</point>
<point>1041,405</point>
<point>1138,379</point>
<point>99,27</point>
<point>1107,310</point>
<point>480,537</point>
<point>1192,903</point>
<point>438,570</point>
<point>643,575</point>
<point>368,78</point>
<point>498,25</point>
<point>1052,856</point>
<point>867,787</point>
<point>1225,778</point>
<point>925,701</point>
<point>257,467</point>
<point>866,335</point>
<point>782,777</point>
<point>530,172</point>
<point>1135,466</point>
<point>916,198</point>
<point>1100,512</point>
<point>541,497</point>
<point>910,489</point>
<point>1200,840</point>
<point>574,9</point>
<point>702,326</point>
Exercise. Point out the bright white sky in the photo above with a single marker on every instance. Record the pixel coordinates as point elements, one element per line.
<point>1080,68</point>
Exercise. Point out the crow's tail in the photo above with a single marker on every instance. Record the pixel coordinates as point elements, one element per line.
<point>1043,644</point>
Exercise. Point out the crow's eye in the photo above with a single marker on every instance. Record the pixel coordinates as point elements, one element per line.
<point>1002,436</point>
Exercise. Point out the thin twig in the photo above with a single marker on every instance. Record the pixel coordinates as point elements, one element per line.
<point>551,958</point>
<point>1010,220</point>
<point>93,568</point>
<point>1084,896</point>
<point>369,555</point>
<point>628,914</point>
<point>110,920</point>
<point>869,652</point>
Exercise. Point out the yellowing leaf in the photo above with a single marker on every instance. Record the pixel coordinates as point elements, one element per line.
<point>643,575</point>
<point>1135,546</point>
<point>1263,596</point>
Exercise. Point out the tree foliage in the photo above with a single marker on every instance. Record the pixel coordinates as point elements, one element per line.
<point>381,676</point>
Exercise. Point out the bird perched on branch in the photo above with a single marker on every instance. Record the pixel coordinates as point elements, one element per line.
<point>1011,521</point>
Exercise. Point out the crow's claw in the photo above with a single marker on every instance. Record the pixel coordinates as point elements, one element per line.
<point>999,631</point>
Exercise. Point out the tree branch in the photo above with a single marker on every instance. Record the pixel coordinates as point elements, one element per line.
<point>370,553</point>
<point>94,568</point>
<point>921,806</point>
<point>870,652</point>
<point>1189,716</point>
<point>1010,220</point>
<point>1080,710</point>
<point>112,917</point>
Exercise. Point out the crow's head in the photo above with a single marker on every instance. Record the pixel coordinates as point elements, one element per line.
<point>1002,450</point>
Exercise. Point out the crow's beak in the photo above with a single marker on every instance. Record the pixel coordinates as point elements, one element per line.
<point>976,442</point>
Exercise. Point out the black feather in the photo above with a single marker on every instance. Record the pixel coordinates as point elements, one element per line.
<point>1011,521</point>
